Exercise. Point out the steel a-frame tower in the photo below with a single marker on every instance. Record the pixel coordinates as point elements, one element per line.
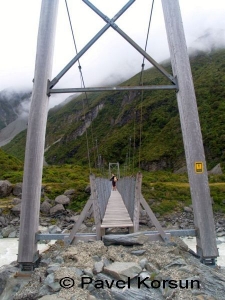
<point>181,81</point>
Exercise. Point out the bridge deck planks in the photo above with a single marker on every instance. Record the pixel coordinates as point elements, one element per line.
<point>116,214</point>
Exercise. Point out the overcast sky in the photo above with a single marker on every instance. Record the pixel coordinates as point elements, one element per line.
<point>111,59</point>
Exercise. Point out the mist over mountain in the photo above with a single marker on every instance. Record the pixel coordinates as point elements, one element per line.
<point>210,40</point>
<point>13,105</point>
<point>114,119</point>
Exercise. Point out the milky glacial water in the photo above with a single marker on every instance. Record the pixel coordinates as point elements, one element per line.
<point>9,249</point>
<point>191,242</point>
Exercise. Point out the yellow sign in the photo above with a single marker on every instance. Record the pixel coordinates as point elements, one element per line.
<point>199,167</point>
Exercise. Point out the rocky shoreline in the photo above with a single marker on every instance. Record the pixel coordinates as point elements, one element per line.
<point>57,218</point>
<point>143,270</point>
<point>92,270</point>
<point>64,220</point>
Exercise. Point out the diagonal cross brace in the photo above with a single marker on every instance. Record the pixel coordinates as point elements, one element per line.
<point>130,41</point>
<point>110,23</point>
<point>52,83</point>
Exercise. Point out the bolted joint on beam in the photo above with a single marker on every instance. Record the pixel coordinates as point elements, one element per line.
<point>173,79</point>
<point>49,86</point>
<point>113,25</point>
<point>175,82</point>
<point>52,83</point>
<point>27,267</point>
<point>108,20</point>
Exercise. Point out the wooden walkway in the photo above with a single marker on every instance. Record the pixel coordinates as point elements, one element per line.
<point>116,214</point>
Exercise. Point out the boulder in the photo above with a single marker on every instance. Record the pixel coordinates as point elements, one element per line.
<point>59,259</point>
<point>62,199</point>
<point>16,209</point>
<point>17,190</point>
<point>88,272</point>
<point>54,229</point>
<point>69,192</point>
<point>49,280</point>
<point>5,188</point>
<point>182,170</point>
<point>15,221</point>
<point>45,207</point>
<point>82,228</point>
<point>151,268</point>
<point>143,262</point>
<point>51,297</point>
<point>138,252</point>
<point>12,234</point>
<point>188,209</point>
<point>44,290</point>
<point>216,170</point>
<point>123,270</point>
<point>45,262</point>
<point>127,240</point>
<point>88,190</point>
<point>98,267</point>
<point>57,209</point>
<point>11,285</point>
<point>52,268</point>
<point>74,218</point>
<point>43,190</point>
<point>16,201</point>
<point>177,262</point>
<point>7,230</point>
<point>3,221</point>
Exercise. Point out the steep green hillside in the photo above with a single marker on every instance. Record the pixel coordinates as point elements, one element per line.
<point>116,121</point>
<point>17,146</point>
<point>11,167</point>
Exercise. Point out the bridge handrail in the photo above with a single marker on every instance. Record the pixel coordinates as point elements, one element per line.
<point>126,187</point>
<point>103,189</point>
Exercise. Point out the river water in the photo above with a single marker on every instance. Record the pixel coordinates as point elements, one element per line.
<point>9,249</point>
<point>191,242</point>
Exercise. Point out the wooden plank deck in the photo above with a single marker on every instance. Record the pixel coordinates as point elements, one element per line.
<point>116,214</point>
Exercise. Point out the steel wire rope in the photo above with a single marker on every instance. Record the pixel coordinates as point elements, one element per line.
<point>141,82</point>
<point>86,98</point>
<point>134,137</point>
<point>129,167</point>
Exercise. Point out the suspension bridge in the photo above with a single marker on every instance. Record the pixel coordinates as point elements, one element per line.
<point>114,209</point>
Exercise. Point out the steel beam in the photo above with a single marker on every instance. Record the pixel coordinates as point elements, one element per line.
<point>131,42</point>
<point>64,236</point>
<point>79,222</point>
<point>114,88</point>
<point>117,165</point>
<point>153,218</point>
<point>92,41</point>
<point>32,179</point>
<point>191,131</point>
<point>60,236</point>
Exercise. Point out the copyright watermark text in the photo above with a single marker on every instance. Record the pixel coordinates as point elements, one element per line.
<point>68,282</point>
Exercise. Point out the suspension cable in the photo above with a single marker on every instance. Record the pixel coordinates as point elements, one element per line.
<point>82,85</point>
<point>86,135</point>
<point>142,83</point>
<point>134,134</point>
<point>149,24</point>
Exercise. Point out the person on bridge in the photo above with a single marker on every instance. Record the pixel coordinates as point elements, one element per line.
<point>114,180</point>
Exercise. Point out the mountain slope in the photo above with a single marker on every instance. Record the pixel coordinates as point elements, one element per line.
<point>11,130</point>
<point>13,105</point>
<point>11,167</point>
<point>116,119</point>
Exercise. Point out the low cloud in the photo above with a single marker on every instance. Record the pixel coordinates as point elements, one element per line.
<point>210,40</point>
